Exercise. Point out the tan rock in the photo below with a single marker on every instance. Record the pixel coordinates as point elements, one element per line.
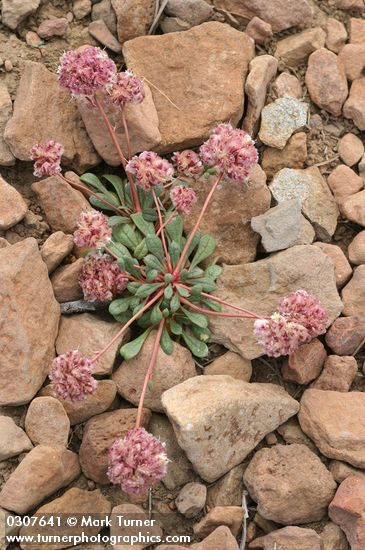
<point>296,49</point>
<point>337,375</point>
<point>230,516</point>
<point>262,70</point>
<point>137,513</point>
<point>61,203</point>
<point>191,499</point>
<point>350,149</point>
<point>228,216</point>
<point>40,103</point>
<point>6,110</point>
<point>354,107</point>
<point>88,333</point>
<point>52,27</point>
<point>220,539</point>
<point>333,538</point>
<point>215,54</point>
<point>347,510</point>
<point>357,30</point>
<point>94,404</point>
<point>326,81</point>
<point>134,17</point>
<point>353,59</point>
<point>81,8</point>
<point>259,30</point>
<point>336,35</point>
<point>353,208</point>
<point>289,538</point>
<point>210,413</point>
<point>343,269</point>
<point>293,155</point>
<point>231,364</point>
<point>353,294</point>
<point>194,12</point>
<point>355,5</point>
<point>25,358</point>
<point>341,470</point>
<point>168,371</point>
<point>46,422</point>
<point>344,182</point>
<point>99,30</point>
<point>100,432</point>
<point>13,439</point>
<point>335,422</point>
<point>65,282</point>
<point>345,335</point>
<point>26,488</point>
<point>280,119</point>
<point>291,432</point>
<point>356,249</point>
<point>305,364</point>
<point>14,12</point>
<point>227,491</point>
<point>55,249</point>
<point>12,205</point>
<point>287,84</point>
<point>260,285</point>
<point>103,10</point>
<point>173,24</point>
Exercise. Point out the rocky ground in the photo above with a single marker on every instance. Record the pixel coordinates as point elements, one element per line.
<point>288,434</point>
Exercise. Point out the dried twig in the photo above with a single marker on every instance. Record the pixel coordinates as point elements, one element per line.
<point>245,517</point>
<point>158,12</point>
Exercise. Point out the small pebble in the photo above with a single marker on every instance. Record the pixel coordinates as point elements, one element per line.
<point>8,65</point>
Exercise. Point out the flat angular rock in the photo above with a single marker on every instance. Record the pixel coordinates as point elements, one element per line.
<point>344,182</point>
<point>293,155</point>
<point>353,59</point>
<point>305,364</point>
<point>26,488</point>
<point>168,371</point>
<point>52,27</point>
<point>357,30</point>
<point>260,285</point>
<point>12,206</point>
<point>337,375</point>
<point>280,119</point>
<point>259,30</point>
<point>99,30</point>
<point>13,12</point>
<point>220,539</point>
<point>46,422</point>
<point>231,364</point>
<point>341,470</point>
<point>227,491</point>
<point>350,149</point>
<point>289,538</point>
<point>283,226</point>
<point>347,510</point>
<point>55,249</point>
<point>336,35</point>
<point>25,315</point>
<point>296,49</point>
<point>229,516</point>
<point>65,282</point>
<point>318,204</point>
<point>134,17</point>
<point>229,214</point>
<point>343,270</point>
<point>41,103</point>
<point>353,294</point>
<point>135,514</point>
<point>218,57</point>
<point>103,10</point>
<point>193,12</point>
<point>6,111</point>
<point>287,84</point>
<point>353,208</point>
<point>191,499</point>
<point>210,414</point>
<point>13,439</point>
<point>333,538</point>
<point>356,249</point>
<point>345,335</point>
<point>335,421</point>
<point>354,107</point>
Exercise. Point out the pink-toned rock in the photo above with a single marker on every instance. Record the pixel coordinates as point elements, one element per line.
<point>341,470</point>
<point>353,5</point>
<point>354,107</point>
<point>262,70</point>
<point>46,422</point>
<point>345,335</point>
<point>305,364</point>
<point>295,49</point>
<point>65,282</point>
<point>291,432</point>
<point>333,538</point>
<point>94,404</point>
<point>89,333</point>
<point>43,471</point>
<point>229,216</point>
<point>6,110</point>
<point>289,538</point>
<point>61,203</point>
<point>215,54</point>
<point>191,499</point>
<point>100,432</point>
<point>99,30</point>
<point>356,249</point>
<point>220,539</point>
<point>104,10</point>
<point>343,269</point>
<point>134,17</point>
<point>52,27</point>
<point>41,103</point>
<point>293,155</point>
<point>335,421</point>
<point>230,516</point>
<point>326,81</point>
<point>337,375</point>
<point>344,182</point>
<point>231,364</point>
<point>81,8</point>
<point>353,59</point>
<point>357,30</point>
<point>32,39</point>
<point>193,12</point>
<point>168,371</point>
<point>353,208</point>
<point>25,357</point>
<point>259,30</point>
<point>350,149</point>
<point>130,513</point>
<point>353,294</point>
<point>55,249</point>
<point>336,35</point>
<point>13,439</point>
<point>287,84</point>
<point>347,510</point>
<point>12,205</point>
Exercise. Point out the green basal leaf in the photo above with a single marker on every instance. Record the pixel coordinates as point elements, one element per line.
<point>145,227</point>
<point>117,220</point>
<point>166,342</point>
<point>150,215</point>
<point>196,318</point>
<point>215,306</point>
<point>141,250</point>
<point>94,181</point>
<point>174,228</point>
<point>127,263</point>
<point>174,252</point>
<point>156,314</point>
<point>119,249</point>
<point>135,302</point>
<point>130,350</point>
<point>146,290</point>
<point>207,284</point>
<point>153,263</point>
<point>183,291</point>
<point>197,347</point>
<point>133,287</point>
<point>120,305</point>
<point>118,185</point>
<point>202,334</point>
<point>196,290</point>
<point>99,204</point>
<point>126,234</point>
<point>184,275</point>
<point>213,272</point>
<point>194,243</point>
<point>154,245</point>
<point>151,275</point>
<point>175,327</point>
<point>168,292</point>
<point>175,303</point>
<point>123,317</point>
<point>195,272</point>
<point>205,249</point>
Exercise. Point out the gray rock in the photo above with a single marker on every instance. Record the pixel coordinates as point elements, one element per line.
<point>193,12</point>
<point>100,31</point>
<point>6,110</point>
<point>13,12</point>
<point>104,10</point>
<point>280,119</point>
<point>13,439</point>
<point>191,499</point>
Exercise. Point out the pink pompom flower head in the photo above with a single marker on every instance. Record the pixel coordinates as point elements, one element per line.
<point>306,309</point>
<point>92,230</point>
<point>231,150</point>
<point>137,462</point>
<point>47,158</point>
<point>86,72</point>
<point>188,164</point>
<point>71,376</point>
<point>183,198</point>
<point>128,88</point>
<point>101,278</point>
<point>150,169</point>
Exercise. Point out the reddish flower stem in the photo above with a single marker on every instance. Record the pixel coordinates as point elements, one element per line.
<point>149,371</point>
<point>168,261</point>
<point>195,229</point>
<point>218,313</point>
<point>125,125</point>
<point>166,223</point>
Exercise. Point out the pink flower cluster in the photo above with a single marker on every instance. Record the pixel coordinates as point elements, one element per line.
<point>231,151</point>
<point>150,169</point>
<point>92,230</point>
<point>300,317</point>
<point>183,198</point>
<point>71,376</point>
<point>86,71</point>
<point>127,88</point>
<point>47,158</point>
<point>101,278</point>
<point>188,163</point>
<point>137,462</point>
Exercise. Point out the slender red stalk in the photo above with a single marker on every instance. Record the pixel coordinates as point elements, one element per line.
<point>218,313</point>
<point>168,261</point>
<point>166,223</point>
<point>195,228</point>
<point>125,125</point>
<point>149,371</point>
